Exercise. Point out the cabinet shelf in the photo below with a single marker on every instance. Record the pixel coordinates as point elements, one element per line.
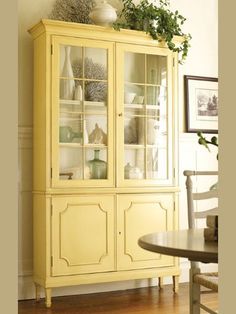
<point>72,145</point>
<point>82,79</point>
<point>95,104</point>
<point>78,145</point>
<point>158,117</point>
<point>102,146</point>
<point>141,106</point>
<point>82,107</point>
<point>139,146</point>
<point>76,113</point>
<point>134,146</point>
<point>145,84</point>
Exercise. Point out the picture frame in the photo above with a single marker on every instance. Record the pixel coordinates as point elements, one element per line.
<point>201,100</point>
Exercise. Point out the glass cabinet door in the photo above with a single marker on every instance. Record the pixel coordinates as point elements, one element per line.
<point>82,111</point>
<point>145,107</point>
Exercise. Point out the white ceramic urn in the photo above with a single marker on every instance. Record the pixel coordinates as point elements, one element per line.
<point>103,14</point>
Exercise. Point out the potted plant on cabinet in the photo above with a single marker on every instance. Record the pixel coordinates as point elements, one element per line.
<point>157,21</point>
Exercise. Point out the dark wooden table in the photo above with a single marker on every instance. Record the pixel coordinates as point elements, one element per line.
<point>183,243</point>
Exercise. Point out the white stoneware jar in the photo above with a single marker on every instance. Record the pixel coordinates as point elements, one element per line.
<point>135,173</point>
<point>103,14</point>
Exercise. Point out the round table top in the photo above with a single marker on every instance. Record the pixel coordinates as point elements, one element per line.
<point>183,243</point>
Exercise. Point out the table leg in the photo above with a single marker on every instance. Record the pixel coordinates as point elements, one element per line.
<point>160,282</point>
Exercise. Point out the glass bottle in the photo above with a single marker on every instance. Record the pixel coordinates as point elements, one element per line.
<point>127,170</point>
<point>67,86</point>
<point>97,166</point>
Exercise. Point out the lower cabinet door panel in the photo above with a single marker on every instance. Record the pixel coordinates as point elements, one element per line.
<point>82,234</point>
<point>138,215</point>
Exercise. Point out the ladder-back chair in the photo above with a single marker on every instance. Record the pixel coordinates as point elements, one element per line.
<point>197,278</point>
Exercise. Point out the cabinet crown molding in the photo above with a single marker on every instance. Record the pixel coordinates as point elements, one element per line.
<point>124,35</point>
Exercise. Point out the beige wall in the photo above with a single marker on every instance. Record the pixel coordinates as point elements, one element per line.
<point>202,23</point>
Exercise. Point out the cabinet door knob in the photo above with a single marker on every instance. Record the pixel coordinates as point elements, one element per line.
<point>120,114</point>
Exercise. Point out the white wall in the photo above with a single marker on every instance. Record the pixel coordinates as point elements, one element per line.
<point>202,23</point>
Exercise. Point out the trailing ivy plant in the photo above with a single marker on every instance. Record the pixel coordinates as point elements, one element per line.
<point>158,21</point>
<point>205,142</point>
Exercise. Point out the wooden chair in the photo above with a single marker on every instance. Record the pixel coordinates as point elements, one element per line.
<point>197,278</point>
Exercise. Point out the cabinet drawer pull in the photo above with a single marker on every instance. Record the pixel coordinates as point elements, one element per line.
<point>120,114</point>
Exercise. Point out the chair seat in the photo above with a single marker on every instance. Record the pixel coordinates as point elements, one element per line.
<point>208,280</point>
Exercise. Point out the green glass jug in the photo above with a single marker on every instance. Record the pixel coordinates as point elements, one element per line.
<point>66,134</point>
<point>98,167</point>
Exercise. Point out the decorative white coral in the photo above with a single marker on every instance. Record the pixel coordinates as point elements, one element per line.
<point>94,91</point>
<point>72,11</point>
<point>91,70</point>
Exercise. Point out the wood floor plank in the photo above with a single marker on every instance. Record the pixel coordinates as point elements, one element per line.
<point>135,301</point>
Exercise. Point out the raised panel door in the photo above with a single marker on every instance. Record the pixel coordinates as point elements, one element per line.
<point>138,215</point>
<point>82,234</point>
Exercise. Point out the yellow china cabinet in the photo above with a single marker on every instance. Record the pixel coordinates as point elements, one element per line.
<point>105,154</point>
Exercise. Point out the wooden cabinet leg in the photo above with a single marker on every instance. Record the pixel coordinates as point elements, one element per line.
<point>48,299</point>
<point>175,283</point>
<point>160,282</point>
<point>37,292</point>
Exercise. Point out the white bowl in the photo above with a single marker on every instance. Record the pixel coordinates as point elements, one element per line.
<point>129,97</point>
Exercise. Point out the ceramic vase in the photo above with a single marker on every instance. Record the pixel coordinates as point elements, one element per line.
<point>103,14</point>
<point>78,95</point>
<point>67,85</point>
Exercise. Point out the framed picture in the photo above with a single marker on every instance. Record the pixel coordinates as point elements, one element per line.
<point>201,99</point>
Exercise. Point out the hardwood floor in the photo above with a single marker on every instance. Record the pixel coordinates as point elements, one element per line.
<point>135,301</point>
